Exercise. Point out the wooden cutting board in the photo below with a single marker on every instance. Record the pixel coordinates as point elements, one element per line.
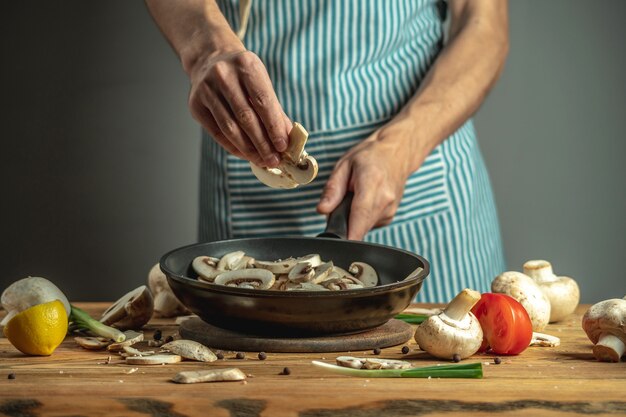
<point>392,333</point>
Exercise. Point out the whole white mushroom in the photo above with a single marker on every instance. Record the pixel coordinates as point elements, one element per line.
<point>563,292</point>
<point>165,302</point>
<point>605,325</point>
<point>29,292</point>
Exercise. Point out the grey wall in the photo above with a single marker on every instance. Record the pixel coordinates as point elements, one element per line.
<point>99,157</point>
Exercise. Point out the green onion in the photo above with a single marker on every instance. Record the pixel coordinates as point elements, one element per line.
<point>83,320</point>
<point>470,370</point>
<point>412,318</point>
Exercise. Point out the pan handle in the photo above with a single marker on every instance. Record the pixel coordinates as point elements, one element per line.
<point>337,224</point>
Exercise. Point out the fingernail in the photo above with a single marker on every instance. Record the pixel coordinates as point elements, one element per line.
<point>272,160</point>
<point>281,145</point>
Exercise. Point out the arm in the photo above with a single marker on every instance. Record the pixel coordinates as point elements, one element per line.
<point>231,94</point>
<point>453,89</point>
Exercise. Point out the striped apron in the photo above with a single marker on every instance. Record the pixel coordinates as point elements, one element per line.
<point>343,69</point>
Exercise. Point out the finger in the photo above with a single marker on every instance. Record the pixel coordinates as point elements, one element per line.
<point>363,212</point>
<point>249,121</point>
<point>206,119</point>
<point>259,88</point>
<point>335,188</point>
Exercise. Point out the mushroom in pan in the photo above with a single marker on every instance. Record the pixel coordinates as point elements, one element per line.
<point>455,331</point>
<point>247,278</point>
<point>364,273</point>
<point>562,292</point>
<point>231,261</point>
<point>206,267</point>
<point>605,325</point>
<point>301,272</point>
<point>524,289</point>
<point>283,266</point>
<point>296,166</point>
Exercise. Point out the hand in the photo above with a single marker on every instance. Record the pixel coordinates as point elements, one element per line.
<point>233,98</point>
<point>376,170</point>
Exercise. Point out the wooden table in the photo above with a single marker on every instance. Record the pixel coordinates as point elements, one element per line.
<point>540,381</point>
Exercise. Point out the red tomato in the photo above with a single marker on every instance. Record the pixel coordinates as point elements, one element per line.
<point>506,326</point>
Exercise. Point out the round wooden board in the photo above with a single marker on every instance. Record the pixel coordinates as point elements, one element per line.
<point>392,333</point>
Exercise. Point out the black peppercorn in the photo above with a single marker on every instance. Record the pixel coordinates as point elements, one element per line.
<point>262,356</point>
<point>219,355</point>
<point>377,351</point>
<point>169,339</point>
<point>11,375</point>
<point>240,355</point>
<point>157,335</point>
<point>405,349</point>
<point>497,361</point>
<point>286,371</point>
<point>456,357</point>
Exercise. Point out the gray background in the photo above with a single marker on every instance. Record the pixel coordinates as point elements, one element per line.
<point>99,159</point>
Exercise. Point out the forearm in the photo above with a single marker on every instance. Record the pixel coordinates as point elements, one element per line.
<point>196,29</point>
<point>460,78</point>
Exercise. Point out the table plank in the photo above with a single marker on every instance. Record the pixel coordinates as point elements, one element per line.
<point>545,381</point>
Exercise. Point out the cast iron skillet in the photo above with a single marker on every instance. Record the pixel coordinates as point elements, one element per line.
<point>299,313</point>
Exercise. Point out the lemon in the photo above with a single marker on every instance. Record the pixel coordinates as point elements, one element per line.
<point>38,330</point>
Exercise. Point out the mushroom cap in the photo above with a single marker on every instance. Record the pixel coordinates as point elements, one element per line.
<point>29,292</point>
<point>165,302</point>
<point>364,273</point>
<point>443,338</point>
<point>264,277</point>
<point>606,317</point>
<point>562,292</point>
<point>131,311</point>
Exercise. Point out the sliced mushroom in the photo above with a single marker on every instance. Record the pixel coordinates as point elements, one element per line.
<point>279,283</point>
<point>153,359</point>
<point>131,311</point>
<point>371,363</point>
<point>322,272</point>
<point>92,343</point>
<point>190,349</point>
<point>229,261</point>
<point>206,267</point>
<point>301,272</point>
<point>209,375</point>
<point>283,266</point>
<point>544,340</point>
<point>259,278</point>
<point>132,337</point>
<point>364,273</point>
<point>302,172</point>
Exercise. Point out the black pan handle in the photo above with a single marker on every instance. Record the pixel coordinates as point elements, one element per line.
<point>337,224</point>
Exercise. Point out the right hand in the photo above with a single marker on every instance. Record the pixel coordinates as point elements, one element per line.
<point>233,98</point>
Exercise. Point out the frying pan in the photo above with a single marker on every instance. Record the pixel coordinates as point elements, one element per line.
<point>299,313</point>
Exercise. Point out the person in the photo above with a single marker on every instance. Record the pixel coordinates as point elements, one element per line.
<point>387,104</point>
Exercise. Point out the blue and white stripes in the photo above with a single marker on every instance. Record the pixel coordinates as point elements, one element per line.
<point>342,69</point>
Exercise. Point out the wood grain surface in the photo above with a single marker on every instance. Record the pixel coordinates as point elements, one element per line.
<point>566,380</point>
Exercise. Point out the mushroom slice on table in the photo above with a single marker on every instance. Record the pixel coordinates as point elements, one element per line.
<point>251,278</point>
<point>206,267</point>
<point>209,375</point>
<point>364,273</point>
<point>92,343</point>
<point>131,311</point>
<point>524,289</point>
<point>190,349</point>
<point>371,363</point>
<point>132,337</point>
<point>454,331</point>
<point>605,325</point>
<point>562,292</point>
<point>296,166</point>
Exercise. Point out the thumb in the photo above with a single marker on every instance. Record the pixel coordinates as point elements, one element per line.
<point>335,188</point>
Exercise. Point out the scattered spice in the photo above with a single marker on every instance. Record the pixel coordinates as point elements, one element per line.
<point>157,334</point>
<point>169,338</point>
<point>240,355</point>
<point>219,355</point>
<point>456,358</point>
<point>497,361</point>
<point>11,375</point>
<point>377,351</point>
<point>286,371</point>
<point>262,356</point>
<point>405,349</point>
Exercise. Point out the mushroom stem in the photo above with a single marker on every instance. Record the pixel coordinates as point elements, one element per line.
<point>541,271</point>
<point>609,348</point>
<point>460,305</point>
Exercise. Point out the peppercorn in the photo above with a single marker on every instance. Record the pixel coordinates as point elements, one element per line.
<point>497,361</point>
<point>240,355</point>
<point>405,349</point>
<point>456,357</point>
<point>219,355</point>
<point>169,339</point>
<point>11,375</point>
<point>377,351</point>
<point>157,335</point>
<point>262,356</point>
<point>286,371</point>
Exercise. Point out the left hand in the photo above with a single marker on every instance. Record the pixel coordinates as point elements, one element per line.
<point>376,170</point>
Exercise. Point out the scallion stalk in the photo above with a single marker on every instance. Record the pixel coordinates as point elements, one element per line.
<point>412,318</point>
<point>81,319</point>
<point>470,370</point>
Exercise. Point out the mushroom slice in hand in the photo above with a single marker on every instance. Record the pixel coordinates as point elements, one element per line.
<point>131,311</point>
<point>258,278</point>
<point>302,172</point>
<point>605,325</point>
<point>454,331</point>
<point>364,273</point>
<point>273,177</point>
<point>524,289</point>
<point>562,292</point>
<point>206,267</point>
<point>229,261</point>
<point>301,272</point>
